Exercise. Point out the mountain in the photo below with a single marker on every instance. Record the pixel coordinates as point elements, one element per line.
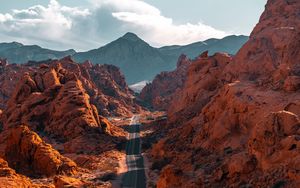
<point>18,53</point>
<point>137,59</point>
<point>230,44</point>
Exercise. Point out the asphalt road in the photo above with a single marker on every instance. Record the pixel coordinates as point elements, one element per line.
<point>135,176</point>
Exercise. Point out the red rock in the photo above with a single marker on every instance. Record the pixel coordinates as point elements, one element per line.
<point>169,178</point>
<point>59,100</point>
<point>274,141</point>
<point>292,83</point>
<point>63,181</point>
<point>10,179</point>
<point>240,163</point>
<point>235,122</point>
<point>160,92</point>
<point>110,94</point>
<point>203,80</point>
<point>26,152</point>
<point>271,54</point>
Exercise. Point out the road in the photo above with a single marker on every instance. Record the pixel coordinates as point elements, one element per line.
<point>135,177</point>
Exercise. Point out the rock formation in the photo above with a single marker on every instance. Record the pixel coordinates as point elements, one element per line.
<point>236,122</point>
<point>50,109</point>
<point>104,84</point>
<point>159,93</point>
<point>52,100</point>
<point>271,55</point>
<point>26,152</point>
<point>9,178</point>
<point>204,78</point>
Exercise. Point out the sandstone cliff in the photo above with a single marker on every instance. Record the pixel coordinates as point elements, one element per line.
<point>26,152</point>
<point>54,109</point>
<point>9,178</point>
<point>105,84</point>
<point>237,123</point>
<point>159,93</point>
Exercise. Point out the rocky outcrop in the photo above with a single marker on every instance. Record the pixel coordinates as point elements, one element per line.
<point>26,152</point>
<point>58,101</point>
<point>110,94</point>
<point>104,84</point>
<point>159,93</point>
<point>236,124</point>
<point>204,78</point>
<point>275,140</point>
<point>271,55</point>
<point>10,179</point>
<point>9,77</point>
<point>52,100</point>
<point>64,181</point>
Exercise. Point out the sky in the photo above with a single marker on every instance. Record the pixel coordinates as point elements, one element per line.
<point>88,24</point>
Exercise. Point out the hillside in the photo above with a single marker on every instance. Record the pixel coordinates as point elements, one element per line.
<point>235,120</point>
<point>230,44</point>
<point>18,53</point>
<point>139,61</point>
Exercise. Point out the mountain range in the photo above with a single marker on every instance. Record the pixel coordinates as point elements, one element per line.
<point>136,58</point>
<point>18,53</point>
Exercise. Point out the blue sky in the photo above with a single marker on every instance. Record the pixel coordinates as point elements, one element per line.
<point>87,24</point>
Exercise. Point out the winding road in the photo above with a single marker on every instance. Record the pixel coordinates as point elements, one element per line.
<point>135,176</point>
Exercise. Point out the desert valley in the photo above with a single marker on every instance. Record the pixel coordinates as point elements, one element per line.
<point>216,113</point>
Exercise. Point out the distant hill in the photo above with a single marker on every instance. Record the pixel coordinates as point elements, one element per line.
<point>18,53</point>
<point>230,44</point>
<point>137,59</point>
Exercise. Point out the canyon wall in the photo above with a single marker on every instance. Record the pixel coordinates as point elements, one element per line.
<point>236,121</point>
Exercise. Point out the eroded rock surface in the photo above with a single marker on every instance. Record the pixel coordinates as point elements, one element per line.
<point>10,179</point>
<point>235,123</point>
<point>56,108</point>
<point>104,84</point>
<point>160,92</point>
<point>26,152</point>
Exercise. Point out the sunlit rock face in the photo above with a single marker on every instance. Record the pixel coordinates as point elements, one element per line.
<point>53,108</point>
<point>237,123</point>
<point>104,84</point>
<point>271,55</point>
<point>9,177</point>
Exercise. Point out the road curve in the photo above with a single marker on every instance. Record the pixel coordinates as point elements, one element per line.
<point>135,177</point>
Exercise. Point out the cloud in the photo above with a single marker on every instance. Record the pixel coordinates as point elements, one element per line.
<point>162,30</point>
<point>61,27</point>
<point>51,25</point>
<point>5,17</point>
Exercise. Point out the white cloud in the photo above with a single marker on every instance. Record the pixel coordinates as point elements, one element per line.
<point>58,26</point>
<point>5,17</point>
<point>136,6</point>
<point>42,25</point>
<point>162,30</point>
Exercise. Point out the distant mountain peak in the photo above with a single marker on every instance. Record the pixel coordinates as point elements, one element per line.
<point>17,43</point>
<point>131,36</point>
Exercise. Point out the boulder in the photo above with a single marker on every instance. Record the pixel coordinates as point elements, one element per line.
<point>10,179</point>
<point>26,152</point>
